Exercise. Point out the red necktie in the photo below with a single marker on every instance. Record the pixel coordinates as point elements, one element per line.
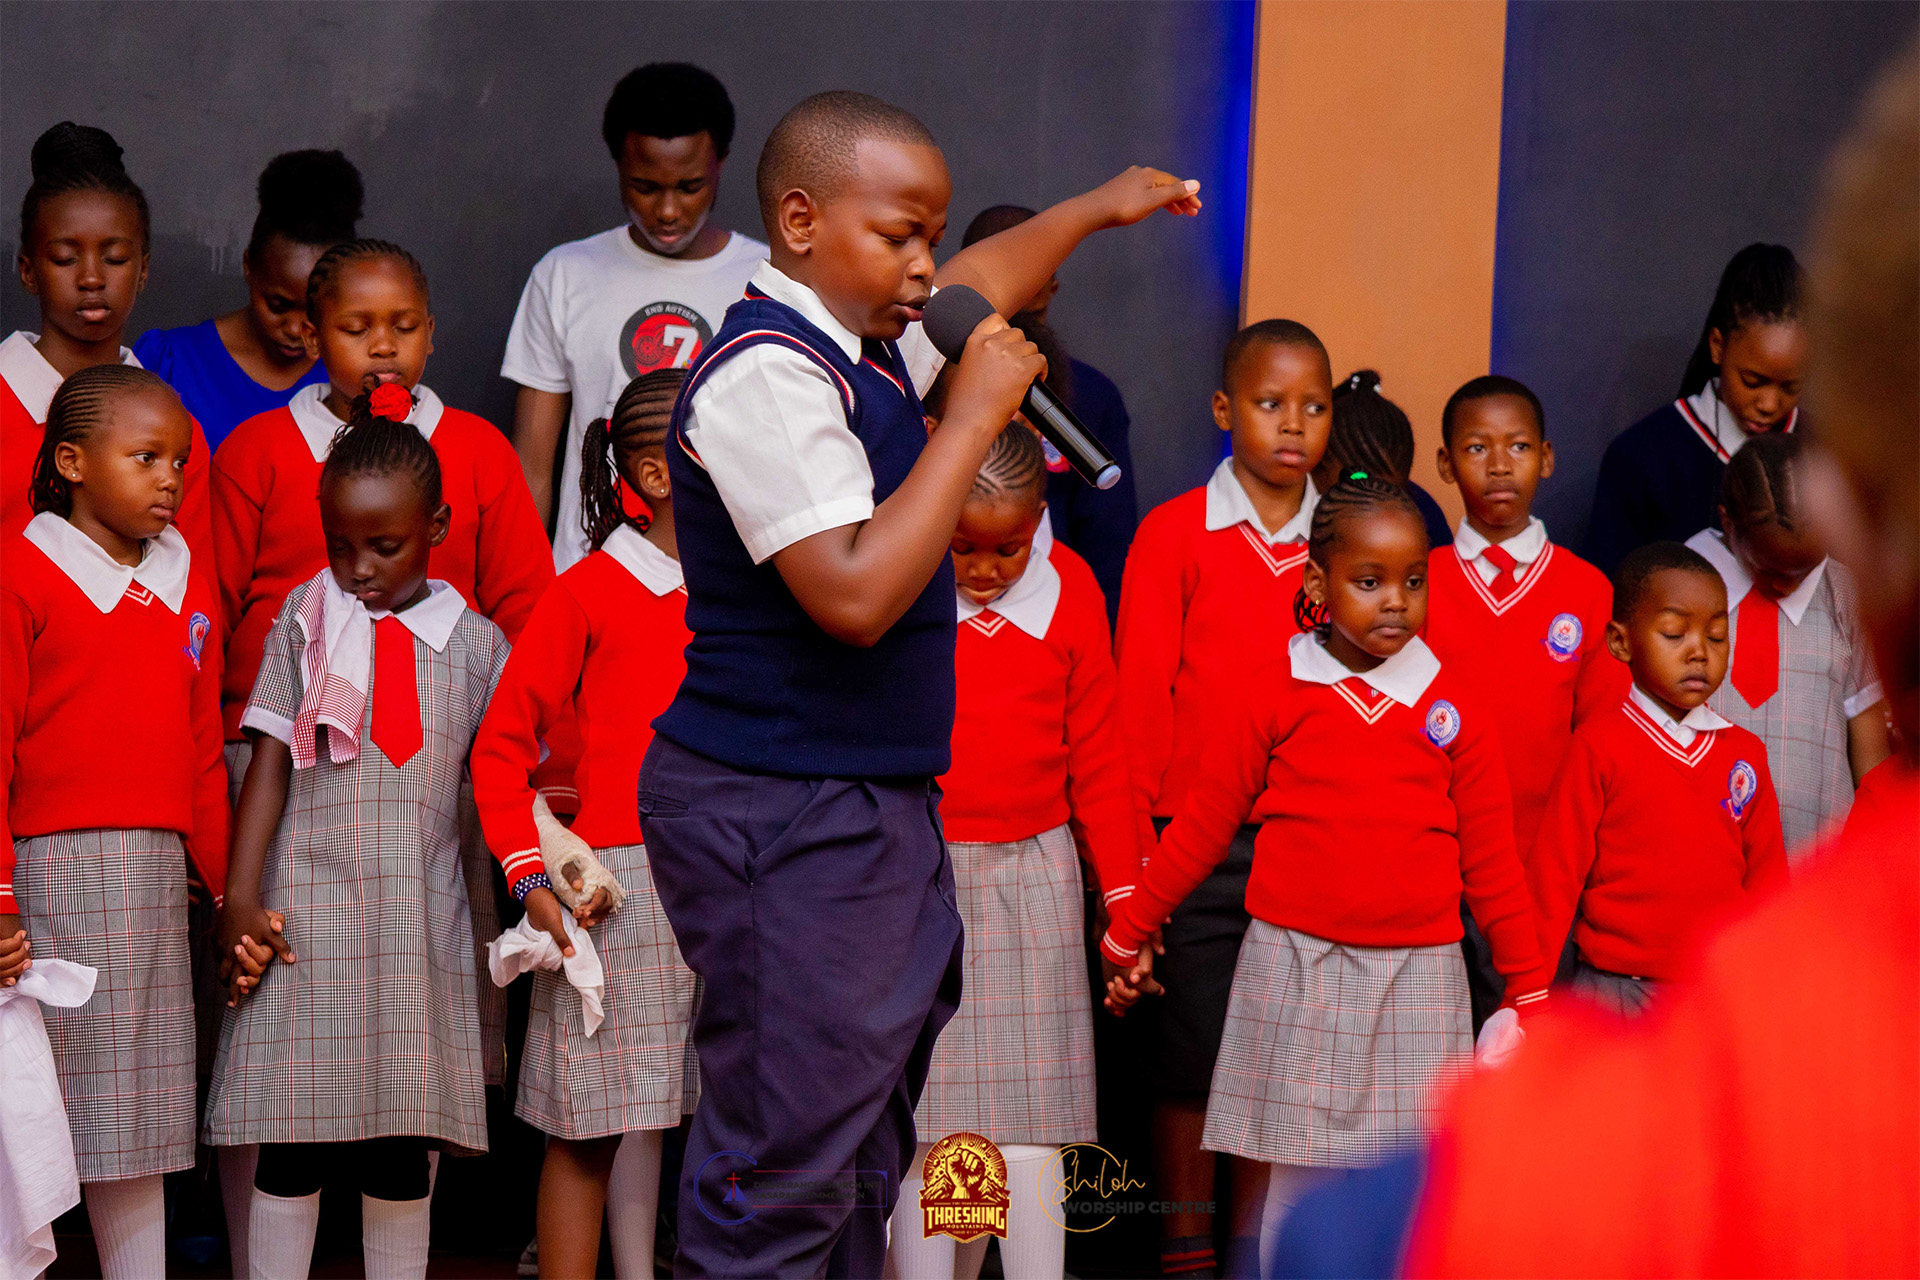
<point>1503,582</point>
<point>1756,659</point>
<point>396,702</point>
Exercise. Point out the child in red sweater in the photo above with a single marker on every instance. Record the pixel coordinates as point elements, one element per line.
<point>107,621</point>
<point>1037,763</point>
<point>1663,814</point>
<point>355,1042</point>
<point>603,649</point>
<point>84,240</point>
<point>1522,620</point>
<point>1350,995</point>
<point>1210,580</point>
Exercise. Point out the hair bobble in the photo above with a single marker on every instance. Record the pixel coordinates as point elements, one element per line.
<point>391,400</point>
<point>1356,475</point>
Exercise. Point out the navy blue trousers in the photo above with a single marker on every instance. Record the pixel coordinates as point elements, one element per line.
<point>821,914</point>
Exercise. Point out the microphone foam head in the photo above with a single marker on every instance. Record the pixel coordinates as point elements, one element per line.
<point>951,317</point>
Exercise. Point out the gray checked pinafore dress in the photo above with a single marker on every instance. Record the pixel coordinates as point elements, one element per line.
<point>1015,1065</point>
<point>375,1030</point>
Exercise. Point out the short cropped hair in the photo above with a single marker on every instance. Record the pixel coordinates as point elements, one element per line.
<point>815,146</point>
<point>1486,387</point>
<point>1284,333</point>
<point>668,100</point>
<point>1637,569</point>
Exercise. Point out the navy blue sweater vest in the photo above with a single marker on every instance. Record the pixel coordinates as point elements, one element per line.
<point>766,689</point>
<point>1658,480</point>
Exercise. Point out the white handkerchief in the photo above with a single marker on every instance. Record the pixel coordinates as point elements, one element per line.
<point>36,1146</point>
<point>527,947</point>
<point>1501,1037</point>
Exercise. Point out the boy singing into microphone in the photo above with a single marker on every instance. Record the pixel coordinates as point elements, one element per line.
<point>787,799</point>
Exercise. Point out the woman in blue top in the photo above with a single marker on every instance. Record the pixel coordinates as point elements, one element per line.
<point>249,361</point>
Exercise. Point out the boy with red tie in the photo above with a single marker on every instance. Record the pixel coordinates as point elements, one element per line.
<point>1663,814</point>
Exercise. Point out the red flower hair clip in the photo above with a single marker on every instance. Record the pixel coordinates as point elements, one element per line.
<point>391,400</point>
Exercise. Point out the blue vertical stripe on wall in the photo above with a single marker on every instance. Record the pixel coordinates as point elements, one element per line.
<point>1640,146</point>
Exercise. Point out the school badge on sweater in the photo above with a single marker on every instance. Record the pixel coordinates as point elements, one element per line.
<point>1742,783</point>
<point>964,1194</point>
<point>1563,637</point>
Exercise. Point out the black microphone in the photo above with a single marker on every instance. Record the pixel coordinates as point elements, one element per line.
<point>950,319</point>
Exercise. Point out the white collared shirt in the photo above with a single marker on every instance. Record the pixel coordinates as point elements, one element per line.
<point>1028,603</point>
<point>1229,505</point>
<point>32,379</point>
<point>1404,677</point>
<point>1685,729</point>
<point>657,571</point>
<point>165,563</point>
<point>1712,545</point>
<point>1710,412</point>
<point>319,424</point>
<point>1525,547</point>
<point>771,429</point>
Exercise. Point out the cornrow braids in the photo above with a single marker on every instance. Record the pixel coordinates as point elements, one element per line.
<point>80,157</point>
<point>81,405</point>
<point>640,420</point>
<point>1762,284</point>
<point>370,444</point>
<point>1357,493</point>
<point>326,271</point>
<point>1760,485</point>
<point>1015,467</point>
<point>1370,433</point>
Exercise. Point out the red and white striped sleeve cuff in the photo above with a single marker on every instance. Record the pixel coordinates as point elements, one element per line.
<point>1112,896</point>
<point>520,865</point>
<point>1114,951</point>
<point>1527,1003</point>
<point>8,906</point>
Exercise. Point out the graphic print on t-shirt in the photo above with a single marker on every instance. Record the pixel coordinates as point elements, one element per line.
<point>662,335</point>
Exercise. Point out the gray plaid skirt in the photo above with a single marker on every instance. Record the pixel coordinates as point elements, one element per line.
<point>117,900</point>
<point>1016,1062</point>
<point>1615,992</point>
<point>1332,1055</point>
<point>637,1071</point>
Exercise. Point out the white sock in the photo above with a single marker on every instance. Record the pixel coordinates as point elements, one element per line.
<point>1036,1243</point>
<point>1286,1183</point>
<point>236,1195</point>
<point>393,1237</point>
<point>912,1255</point>
<point>633,1203</point>
<point>280,1232</point>
<point>129,1227</point>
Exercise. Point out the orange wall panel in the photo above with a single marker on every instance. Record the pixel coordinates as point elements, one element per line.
<point>1374,189</point>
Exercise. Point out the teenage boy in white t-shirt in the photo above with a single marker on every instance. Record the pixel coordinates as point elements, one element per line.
<point>599,312</point>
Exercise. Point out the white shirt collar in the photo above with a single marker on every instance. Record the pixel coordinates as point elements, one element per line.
<point>318,424</point>
<point>1713,413</point>
<point>781,287</point>
<point>1403,677</point>
<point>1030,602</point>
<point>1685,729</point>
<point>1712,544</point>
<point>657,571</point>
<point>1525,547</point>
<point>163,569</point>
<point>1229,505</point>
<point>433,619</point>
<point>34,380</point>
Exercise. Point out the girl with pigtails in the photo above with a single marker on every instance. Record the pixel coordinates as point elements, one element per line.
<point>602,651</point>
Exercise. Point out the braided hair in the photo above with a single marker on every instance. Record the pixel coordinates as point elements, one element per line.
<point>371,444</point>
<point>1762,284</point>
<point>326,272</point>
<point>640,420</point>
<point>1015,467</point>
<point>1760,485</point>
<point>81,405</point>
<point>309,197</point>
<point>1370,433</point>
<point>80,157</point>
<point>1356,494</point>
